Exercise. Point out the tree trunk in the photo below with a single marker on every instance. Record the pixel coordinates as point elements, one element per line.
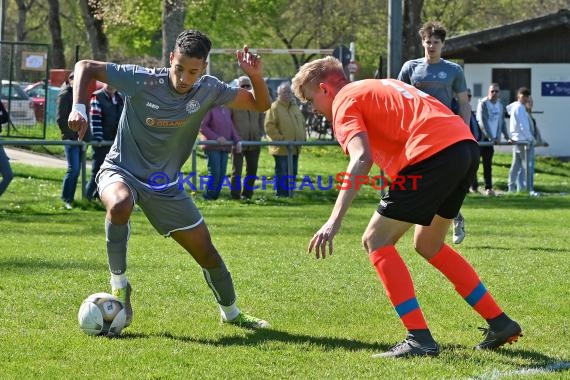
<point>412,24</point>
<point>173,14</point>
<point>58,54</point>
<point>21,24</point>
<point>92,16</point>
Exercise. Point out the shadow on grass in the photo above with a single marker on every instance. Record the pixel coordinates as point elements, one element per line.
<point>268,335</point>
<point>34,264</point>
<point>518,202</point>
<point>509,248</point>
<point>370,198</point>
<point>449,351</point>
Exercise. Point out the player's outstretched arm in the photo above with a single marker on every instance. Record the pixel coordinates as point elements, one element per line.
<point>359,165</point>
<point>258,99</point>
<point>84,72</point>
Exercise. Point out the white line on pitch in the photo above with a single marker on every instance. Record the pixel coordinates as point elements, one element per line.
<point>497,374</point>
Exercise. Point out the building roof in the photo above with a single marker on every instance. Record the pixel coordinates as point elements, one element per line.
<point>529,38</point>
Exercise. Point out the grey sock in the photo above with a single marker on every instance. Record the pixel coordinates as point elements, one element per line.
<point>220,281</point>
<point>117,239</point>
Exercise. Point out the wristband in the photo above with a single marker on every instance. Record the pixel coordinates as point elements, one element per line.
<point>80,108</point>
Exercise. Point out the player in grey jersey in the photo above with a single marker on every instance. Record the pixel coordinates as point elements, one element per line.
<point>158,127</point>
<point>443,80</point>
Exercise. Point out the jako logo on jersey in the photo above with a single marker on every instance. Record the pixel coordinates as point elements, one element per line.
<point>152,105</point>
<point>192,106</point>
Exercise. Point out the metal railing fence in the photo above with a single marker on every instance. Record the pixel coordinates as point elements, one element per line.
<point>289,144</point>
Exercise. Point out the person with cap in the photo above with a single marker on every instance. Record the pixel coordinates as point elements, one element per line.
<point>285,122</point>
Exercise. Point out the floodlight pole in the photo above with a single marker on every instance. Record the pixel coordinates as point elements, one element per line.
<point>352,59</point>
<point>2,18</point>
<point>395,29</point>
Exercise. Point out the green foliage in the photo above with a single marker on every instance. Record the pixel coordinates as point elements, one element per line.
<point>461,16</point>
<point>138,35</point>
<point>134,27</point>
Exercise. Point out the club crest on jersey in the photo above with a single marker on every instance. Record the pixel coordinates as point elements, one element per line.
<point>192,106</point>
<point>442,75</point>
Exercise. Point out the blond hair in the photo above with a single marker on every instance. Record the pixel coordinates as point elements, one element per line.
<point>328,69</point>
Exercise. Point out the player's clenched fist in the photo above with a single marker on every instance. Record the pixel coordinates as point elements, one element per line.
<point>77,120</point>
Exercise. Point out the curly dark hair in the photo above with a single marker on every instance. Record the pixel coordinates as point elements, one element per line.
<point>433,28</point>
<point>193,43</point>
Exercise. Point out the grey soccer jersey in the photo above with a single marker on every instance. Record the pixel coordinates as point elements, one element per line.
<point>440,80</point>
<point>159,126</point>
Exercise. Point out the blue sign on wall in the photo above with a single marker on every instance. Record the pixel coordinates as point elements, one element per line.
<point>555,88</point>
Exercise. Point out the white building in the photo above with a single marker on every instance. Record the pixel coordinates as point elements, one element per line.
<point>534,53</point>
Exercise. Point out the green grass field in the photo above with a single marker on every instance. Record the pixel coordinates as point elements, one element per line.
<point>328,316</point>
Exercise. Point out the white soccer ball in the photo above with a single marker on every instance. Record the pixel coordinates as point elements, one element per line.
<point>102,314</point>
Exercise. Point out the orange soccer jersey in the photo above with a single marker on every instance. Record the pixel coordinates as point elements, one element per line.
<point>404,125</point>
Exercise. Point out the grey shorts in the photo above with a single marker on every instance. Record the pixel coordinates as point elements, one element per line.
<point>168,210</point>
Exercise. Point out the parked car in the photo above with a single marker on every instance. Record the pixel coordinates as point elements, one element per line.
<point>37,92</point>
<point>18,103</point>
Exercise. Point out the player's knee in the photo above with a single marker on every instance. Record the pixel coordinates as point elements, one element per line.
<point>369,241</point>
<point>418,246</point>
<point>365,244</point>
<point>372,240</point>
<point>119,210</point>
<point>427,249</point>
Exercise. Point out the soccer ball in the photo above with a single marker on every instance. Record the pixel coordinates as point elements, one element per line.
<point>102,314</point>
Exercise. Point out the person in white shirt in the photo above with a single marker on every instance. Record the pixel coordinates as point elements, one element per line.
<point>521,135</point>
<point>490,116</point>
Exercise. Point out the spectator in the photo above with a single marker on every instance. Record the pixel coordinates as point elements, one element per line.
<point>284,122</point>
<point>105,111</point>
<point>476,132</point>
<point>443,80</point>
<point>163,110</point>
<point>521,135</point>
<point>409,135</point>
<point>72,152</point>
<point>218,125</point>
<point>490,115</point>
<point>539,141</point>
<point>249,126</point>
<point>5,168</point>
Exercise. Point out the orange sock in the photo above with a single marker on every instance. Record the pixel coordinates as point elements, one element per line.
<point>399,286</point>
<point>466,281</point>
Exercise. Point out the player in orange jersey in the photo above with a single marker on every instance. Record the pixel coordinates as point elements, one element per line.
<point>409,134</point>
